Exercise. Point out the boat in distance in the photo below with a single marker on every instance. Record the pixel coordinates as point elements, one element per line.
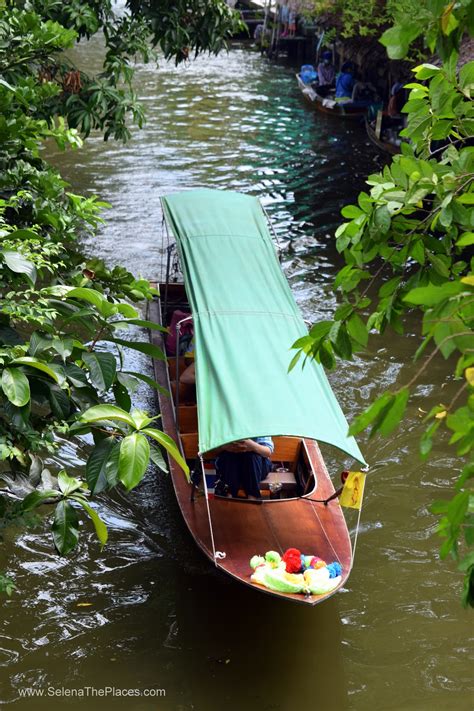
<point>328,105</point>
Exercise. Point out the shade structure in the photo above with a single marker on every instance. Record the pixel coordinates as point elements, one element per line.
<point>245,321</point>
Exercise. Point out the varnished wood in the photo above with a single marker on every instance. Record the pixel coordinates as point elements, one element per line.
<point>243,528</point>
<point>286,448</point>
<point>188,420</point>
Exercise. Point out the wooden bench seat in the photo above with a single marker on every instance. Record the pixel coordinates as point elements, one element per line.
<point>286,448</point>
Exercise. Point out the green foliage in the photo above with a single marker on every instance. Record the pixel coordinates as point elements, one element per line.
<point>61,313</point>
<point>107,101</point>
<point>7,585</point>
<point>438,24</point>
<point>407,244</point>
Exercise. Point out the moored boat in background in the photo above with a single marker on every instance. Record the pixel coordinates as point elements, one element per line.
<point>328,104</point>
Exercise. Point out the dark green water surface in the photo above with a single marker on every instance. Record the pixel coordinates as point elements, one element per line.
<point>158,616</point>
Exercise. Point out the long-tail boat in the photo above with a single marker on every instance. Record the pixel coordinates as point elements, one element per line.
<point>245,321</point>
<point>329,105</point>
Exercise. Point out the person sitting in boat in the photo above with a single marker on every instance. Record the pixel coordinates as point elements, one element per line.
<point>326,73</point>
<point>243,465</point>
<point>348,89</point>
<point>345,82</point>
<point>187,379</point>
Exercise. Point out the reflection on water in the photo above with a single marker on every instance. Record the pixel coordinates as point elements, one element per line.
<point>149,611</point>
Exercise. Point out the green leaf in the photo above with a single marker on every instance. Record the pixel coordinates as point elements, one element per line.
<point>389,287</point>
<point>102,368</point>
<point>102,459</point>
<point>417,251</point>
<point>63,346</point>
<point>294,360</point>
<point>151,325</point>
<point>320,330</point>
<point>142,347</point>
<point>432,295</point>
<point>99,525</point>
<point>426,440</point>
<point>122,395</point>
<point>466,199</point>
<point>90,295</point>
<point>170,446</point>
<point>368,416</point>
<point>68,484</point>
<point>107,412</point>
<point>357,329</point>
<point>141,419</point>
<point>16,386</point>
<point>36,498</point>
<point>65,528</point>
<point>465,240</point>
<point>382,219</point>
<point>466,474</point>
<point>351,211</point>
<point>18,264</point>
<point>466,78</point>
<point>158,459</point>
<point>326,356</point>
<point>425,71</point>
<point>397,39</point>
<point>59,402</point>
<point>391,415</point>
<point>439,265</point>
<point>340,340</point>
<point>133,459</point>
<point>53,373</point>
<point>76,375</point>
<point>149,381</point>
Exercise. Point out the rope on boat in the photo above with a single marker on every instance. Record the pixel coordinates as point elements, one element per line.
<point>335,496</point>
<point>216,555</point>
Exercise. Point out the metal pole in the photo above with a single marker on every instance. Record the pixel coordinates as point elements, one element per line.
<point>176,397</point>
<point>168,263</point>
<point>278,245</point>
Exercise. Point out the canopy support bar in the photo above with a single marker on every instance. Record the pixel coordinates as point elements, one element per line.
<point>176,396</point>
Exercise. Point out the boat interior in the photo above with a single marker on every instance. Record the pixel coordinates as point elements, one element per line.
<point>292,473</point>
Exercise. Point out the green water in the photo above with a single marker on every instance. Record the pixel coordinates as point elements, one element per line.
<point>158,616</point>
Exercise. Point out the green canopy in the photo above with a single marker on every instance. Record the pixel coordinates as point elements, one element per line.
<point>245,321</point>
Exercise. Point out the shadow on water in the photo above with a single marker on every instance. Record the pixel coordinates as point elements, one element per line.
<point>149,612</point>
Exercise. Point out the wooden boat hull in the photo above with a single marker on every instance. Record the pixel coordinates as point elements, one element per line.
<point>241,528</point>
<point>316,101</point>
<point>385,146</point>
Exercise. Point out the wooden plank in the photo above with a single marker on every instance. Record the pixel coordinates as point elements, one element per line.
<point>286,448</point>
<point>188,419</point>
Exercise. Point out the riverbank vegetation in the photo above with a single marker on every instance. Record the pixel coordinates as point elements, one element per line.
<point>63,317</point>
<point>414,229</point>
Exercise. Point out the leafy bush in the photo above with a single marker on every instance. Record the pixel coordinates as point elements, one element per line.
<point>61,354</point>
<point>414,228</point>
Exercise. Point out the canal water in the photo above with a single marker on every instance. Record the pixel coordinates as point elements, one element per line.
<point>149,612</point>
